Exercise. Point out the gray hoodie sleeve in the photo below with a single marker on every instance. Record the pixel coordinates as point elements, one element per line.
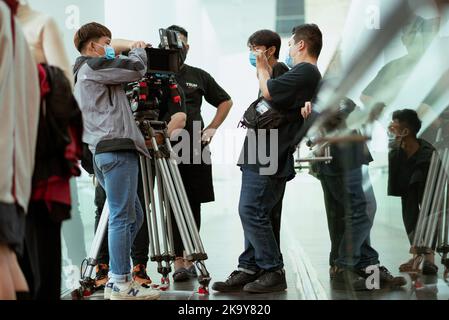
<point>118,70</point>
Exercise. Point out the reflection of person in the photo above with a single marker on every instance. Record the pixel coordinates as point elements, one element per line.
<point>346,156</point>
<point>197,174</point>
<point>19,109</point>
<point>261,267</point>
<point>416,37</point>
<point>409,162</point>
<point>350,207</point>
<point>436,101</point>
<point>116,142</point>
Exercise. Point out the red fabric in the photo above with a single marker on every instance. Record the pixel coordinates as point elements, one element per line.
<point>55,189</point>
<point>74,150</point>
<point>43,81</point>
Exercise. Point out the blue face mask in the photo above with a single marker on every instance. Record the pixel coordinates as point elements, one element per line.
<point>252,59</point>
<point>289,61</point>
<point>109,52</point>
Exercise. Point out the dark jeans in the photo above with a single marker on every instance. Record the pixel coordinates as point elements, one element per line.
<point>355,250</point>
<point>334,200</point>
<point>410,213</point>
<point>41,263</point>
<point>260,205</point>
<point>140,247</point>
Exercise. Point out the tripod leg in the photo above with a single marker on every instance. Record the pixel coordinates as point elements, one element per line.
<point>427,201</point>
<point>437,204</point>
<point>164,271</point>
<point>185,205</point>
<point>174,188</point>
<point>169,226</point>
<point>174,202</point>
<point>147,194</point>
<point>163,227</point>
<point>204,279</point>
<point>87,283</point>
<point>445,236</point>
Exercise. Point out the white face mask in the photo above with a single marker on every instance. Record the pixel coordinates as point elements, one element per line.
<point>395,140</point>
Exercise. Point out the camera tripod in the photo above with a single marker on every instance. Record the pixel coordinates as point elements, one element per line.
<point>162,168</point>
<point>433,223</point>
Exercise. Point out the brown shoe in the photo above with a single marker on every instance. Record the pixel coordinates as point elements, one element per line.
<point>140,275</point>
<point>407,267</point>
<point>101,277</point>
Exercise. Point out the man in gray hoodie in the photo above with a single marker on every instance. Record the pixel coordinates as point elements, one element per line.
<point>116,142</point>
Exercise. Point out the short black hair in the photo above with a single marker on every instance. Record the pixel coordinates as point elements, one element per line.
<point>312,36</point>
<point>408,118</point>
<point>266,38</point>
<point>179,29</point>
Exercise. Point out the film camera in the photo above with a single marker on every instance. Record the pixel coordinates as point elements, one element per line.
<point>159,85</point>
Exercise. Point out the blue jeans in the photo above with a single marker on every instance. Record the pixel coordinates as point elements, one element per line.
<point>118,174</point>
<point>259,197</point>
<point>355,249</point>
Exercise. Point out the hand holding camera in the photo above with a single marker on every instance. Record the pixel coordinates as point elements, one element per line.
<point>139,44</point>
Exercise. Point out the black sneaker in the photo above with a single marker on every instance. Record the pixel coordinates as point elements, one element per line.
<point>192,272</point>
<point>387,280</point>
<point>235,282</point>
<point>268,282</point>
<point>181,275</point>
<point>429,269</point>
<point>348,280</point>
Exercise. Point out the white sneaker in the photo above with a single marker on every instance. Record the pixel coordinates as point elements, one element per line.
<point>108,290</point>
<point>134,291</point>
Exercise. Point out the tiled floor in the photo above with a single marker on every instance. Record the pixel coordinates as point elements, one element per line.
<point>305,244</point>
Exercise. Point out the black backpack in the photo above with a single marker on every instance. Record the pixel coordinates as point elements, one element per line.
<point>59,111</point>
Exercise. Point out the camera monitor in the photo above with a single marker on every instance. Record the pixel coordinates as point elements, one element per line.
<point>162,61</point>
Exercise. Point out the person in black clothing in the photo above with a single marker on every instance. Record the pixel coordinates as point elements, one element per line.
<point>261,267</point>
<point>196,169</point>
<point>268,42</point>
<point>409,162</point>
<point>351,207</point>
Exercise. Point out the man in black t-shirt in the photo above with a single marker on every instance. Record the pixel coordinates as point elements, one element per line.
<point>196,169</point>
<point>261,267</point>
<point>409,162</point>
